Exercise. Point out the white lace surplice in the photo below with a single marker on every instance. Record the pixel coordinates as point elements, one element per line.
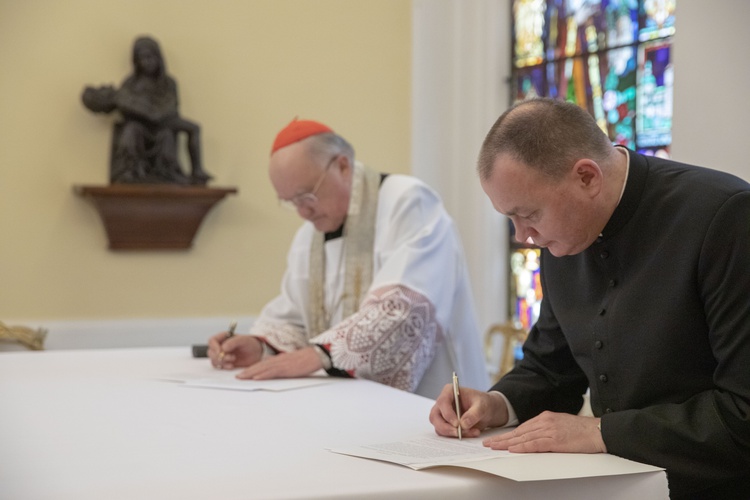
<point>416,323</point>
<point>391,339</point>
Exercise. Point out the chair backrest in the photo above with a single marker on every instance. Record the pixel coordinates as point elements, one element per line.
<point>11,337</point>
<point>511,336</point>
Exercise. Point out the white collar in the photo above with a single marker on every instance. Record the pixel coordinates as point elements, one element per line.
<point>625,181</point>
<point>627,171</point>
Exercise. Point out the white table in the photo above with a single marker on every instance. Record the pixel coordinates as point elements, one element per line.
<point>97,424</point>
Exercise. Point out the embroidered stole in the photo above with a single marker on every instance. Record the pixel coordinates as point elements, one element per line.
<point>357,247</point>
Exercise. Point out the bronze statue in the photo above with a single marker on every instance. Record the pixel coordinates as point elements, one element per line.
<point>144,142</point>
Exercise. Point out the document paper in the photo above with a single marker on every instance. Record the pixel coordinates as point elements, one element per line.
<point>209,378</point>
<point>428,451</point>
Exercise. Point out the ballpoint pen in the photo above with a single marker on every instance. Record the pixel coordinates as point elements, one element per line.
<point>458,403</point>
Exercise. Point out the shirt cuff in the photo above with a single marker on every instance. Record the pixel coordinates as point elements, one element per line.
<point>512,417</point>
<point>325,358</point>
<point>267,349</point>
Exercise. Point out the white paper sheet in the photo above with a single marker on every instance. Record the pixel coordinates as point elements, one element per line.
<point>281,384</point>
<point>428,451</point>
<point>425,451</point>
<point>548,466</point>
<point>210,378</point>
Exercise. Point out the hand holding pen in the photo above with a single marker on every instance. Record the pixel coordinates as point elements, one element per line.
<point>466,412</point>
<point>230,334</point>
<point>217,349</point>
<point>228,350</point>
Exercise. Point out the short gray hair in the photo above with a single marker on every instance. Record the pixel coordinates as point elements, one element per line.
<point>323,147</point>
<point>548,135</point>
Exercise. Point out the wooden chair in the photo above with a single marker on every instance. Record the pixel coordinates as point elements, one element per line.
<point>22,336</point>
<point>510,336</point>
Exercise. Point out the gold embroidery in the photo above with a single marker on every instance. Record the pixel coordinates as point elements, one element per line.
<point>357,253</point>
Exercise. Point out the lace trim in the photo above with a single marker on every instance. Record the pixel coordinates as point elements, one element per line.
<point>283,337</point>
<point>392,339</point>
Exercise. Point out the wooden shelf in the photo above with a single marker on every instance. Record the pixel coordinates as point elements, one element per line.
<point>152,216</point>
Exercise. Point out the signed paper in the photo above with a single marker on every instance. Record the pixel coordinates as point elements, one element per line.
<point>210,378</point>
<point>281,384</point>
<point>425,451</point>
<point>434,451</point>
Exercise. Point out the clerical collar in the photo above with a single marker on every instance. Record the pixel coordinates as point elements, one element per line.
<point>625,181</point>
<point>627,171</point>
<point>635,183</point>
<point>335,234</point>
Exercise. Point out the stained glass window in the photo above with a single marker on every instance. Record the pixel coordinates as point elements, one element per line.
<point>611,57</point>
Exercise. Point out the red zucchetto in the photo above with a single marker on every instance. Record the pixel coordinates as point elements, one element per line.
<point>296,131</point>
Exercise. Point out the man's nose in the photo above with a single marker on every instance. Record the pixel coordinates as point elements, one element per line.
<point>521,233</point>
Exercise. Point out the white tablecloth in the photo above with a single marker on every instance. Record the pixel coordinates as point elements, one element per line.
<point>99,424</point>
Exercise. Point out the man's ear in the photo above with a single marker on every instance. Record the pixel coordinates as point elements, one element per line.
<point>346,169</point>
<point>589,176</point>
<point>343,163</point>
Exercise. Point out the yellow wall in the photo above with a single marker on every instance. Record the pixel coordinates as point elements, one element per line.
<point>244,68</point>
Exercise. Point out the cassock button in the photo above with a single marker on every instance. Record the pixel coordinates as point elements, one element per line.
<point>612,283</point>
<point>598,344</point>
<point>604,254</point>
<point>603,378</point>
<point>602,311</point>
<point>608,410</point>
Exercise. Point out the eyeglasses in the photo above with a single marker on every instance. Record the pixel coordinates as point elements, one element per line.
<point>310,199</point>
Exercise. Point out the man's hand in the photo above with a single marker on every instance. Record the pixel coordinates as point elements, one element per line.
<point>480,410</point>
<point>553,432</point>
<point>235,352</point>
<point>292,364</point>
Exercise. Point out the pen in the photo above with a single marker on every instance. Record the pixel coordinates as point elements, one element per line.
<point>458,403</point>
<point>232,327</point>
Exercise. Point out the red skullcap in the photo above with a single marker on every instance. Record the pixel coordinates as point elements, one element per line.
<point>296,131</point>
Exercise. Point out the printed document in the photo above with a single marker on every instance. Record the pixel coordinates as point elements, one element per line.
<point>210,378</point>
<point>430,450</point>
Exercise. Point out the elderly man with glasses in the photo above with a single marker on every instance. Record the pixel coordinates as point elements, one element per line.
<point>376,285</point>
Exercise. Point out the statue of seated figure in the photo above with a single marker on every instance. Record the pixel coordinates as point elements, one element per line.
<point>144,143</point>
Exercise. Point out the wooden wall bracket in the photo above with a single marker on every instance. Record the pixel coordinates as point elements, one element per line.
<point>152,216</point>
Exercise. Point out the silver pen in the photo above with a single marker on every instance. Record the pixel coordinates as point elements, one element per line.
<point>458,403</point>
